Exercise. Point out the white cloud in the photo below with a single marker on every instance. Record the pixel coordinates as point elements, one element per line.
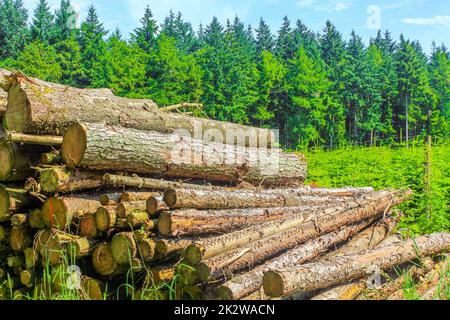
<point>328,6</point>
<point>341,6</point>
<point>441,21</point>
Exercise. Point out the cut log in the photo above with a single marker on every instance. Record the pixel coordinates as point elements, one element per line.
<point>124,248</point>
<point>169,247</point>
<point>19,237</point>
<point>326,219</point>
<point>94,289</point>
<point>16,162</point>
<point>3,102</point>
<point>125,208</point>
<point>87,227</point>
<point>51,158</point>
<point>110,199</point>
<point>138,182</point>
<point>128,196</point>
<point>173,156</point>
<point>161,274</point>
<point>5,79</point>
<point>59,212</point>
<point>241,199</point>
<point>192,222</point>
<point>36,220</point>
<point>13,200</point>
<point>104,263</point>
<point>64,180</point>
<point>21,138</point>
<point>147,249</point>
<point>27,278</point>
<point>31,258</point>
<point>106,218</point>
<point>35,106</point>
<point>311,276</point>
<point>137,218</point>
<point>155,205</point>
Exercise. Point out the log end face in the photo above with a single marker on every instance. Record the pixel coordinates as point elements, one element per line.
<point>273,284</point>
<point>18,113</point>
<point>123,248</point>
<point>165,224</point>
<point>193,254</point>
<point>55,213</point>
<point>102,219</point>
<point>74,145</point>
<point>170,197</point>
<point>152,205</point>
<point>204,272</point>
<point>161,248</point>
<point>223,293</point>
<point>49,180</point>
<point>103,261</point>
<point>147,249</point>
<point>6,160</point>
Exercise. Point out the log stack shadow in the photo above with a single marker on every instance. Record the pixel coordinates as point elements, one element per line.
<point>90,191</point>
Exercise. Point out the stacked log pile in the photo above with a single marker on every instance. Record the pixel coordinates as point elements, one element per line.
<point>92,185</point>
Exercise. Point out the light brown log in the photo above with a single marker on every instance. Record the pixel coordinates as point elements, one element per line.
<point>229,263</point>
<point>155,205</point>
<point>169,247</point>
<point>64,180</point>
<point>27,278</point>
<point>125,208</point>
<point>104,263</point>
<point>129,196</point>
<point>191,222</point>
<point>36,220</point>
<point>106,218</point>
<point>19,220</point>
<point>87,227</point>
<point>19,238</point>
<point>5,79</point>
<point>13,200</point>
<point>318,275</point>
<point>31,257</point>
<point>137,218</point>
<point>147,249</point>
<point>35,106</point>
<point>241,199</point>
<point>58,212</point>
<point>174,156</point>
<point>110,199</point>
<point>94,288</point>
<point>16,162</point>
<point>184,105</point>
<point>326,219</point>
<point>3,103</point>
<point>138,182</point>
<point>21,138</point>
<point>161,274</point>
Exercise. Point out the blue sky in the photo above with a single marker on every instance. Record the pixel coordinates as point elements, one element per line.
<point>424,20</point>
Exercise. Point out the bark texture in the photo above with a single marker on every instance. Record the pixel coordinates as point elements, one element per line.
<point>241,199</point>
<point>64,180</point>
<point>101,147</point>
<point>41,107</point>
<point>345,268</point>
<point>16,162</point>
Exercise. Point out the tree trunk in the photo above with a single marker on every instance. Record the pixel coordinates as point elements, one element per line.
<point>138,182</point>
<point>241,199</point>
<point>46,108</point>
<point>106,218</point>
<point>124,247</point>
<point>147,249</point>
<point>3,103</point>
<point>169,247</point>
<point>64,180</point>
<point>326,220</point>
<point>104,263</point>
<point>345,268</point>
<point>87,227</point>
<point>128,196</point>
<point>36,221</point>
<point>155,205</point>
<point>21,138</point>
<point>12,201</point>
<point>243,285</point>
<point>191,222</point>
<point>16,162</point>
<point>110,199</point>
<point>59,212</point>
<point>125,208</point>
<point>174,156</point>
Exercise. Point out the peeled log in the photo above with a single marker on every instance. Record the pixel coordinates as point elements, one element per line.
<point>64,180</point>
<point>138,182</point>
<point>13,200</point>
<point>16,162</point>
<point>345,268</point>
<point>58,212</point>
<point>241,199</point>
<point>39,107</point>
<point>174,156</point>
<point>255,253</point>
<point>191,222</point>
<point>326,219</point>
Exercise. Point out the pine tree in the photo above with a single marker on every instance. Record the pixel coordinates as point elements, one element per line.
<point>65,21</point>
<point>42,27</point>
<point>69,58</point>
<point>264,39</point>
<point>285,41</point>
<point>145,35</point>
<point>14,33</point>
<point>93,49</point>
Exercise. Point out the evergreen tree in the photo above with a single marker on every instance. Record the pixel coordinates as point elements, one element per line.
<point>14,32</point>
<point>285,41</point>
<point>145,35</point>
<point>93,50</point>
<point>264,39</point>
<point>65,21</point>
<point>69,59</point>
<point>42,27</point>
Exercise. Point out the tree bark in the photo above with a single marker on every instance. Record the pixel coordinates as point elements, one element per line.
<point>21,138</point>
<point>325,220</point>
<point>169,247</point>
<point>16,162</point>
<point>241,199</point>
<point>138,182</point>
<point>3,103</point>
<point>345,268</point>
<point>58,212</point>
<point>191,222</point>
<point>64,180</point>
<point>129,196</point>
<point>173,156</point>
<point>13,200</point>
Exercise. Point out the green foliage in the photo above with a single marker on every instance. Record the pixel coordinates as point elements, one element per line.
<point>42,27</point>
<point>14,32</point>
